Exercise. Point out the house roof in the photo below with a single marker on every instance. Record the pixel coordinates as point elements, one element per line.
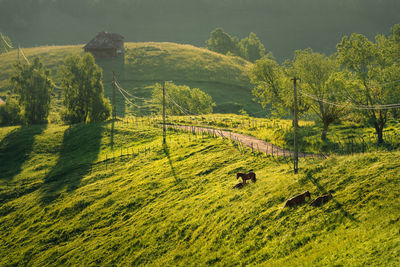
<point>105,40</point>
<point>2,102</point>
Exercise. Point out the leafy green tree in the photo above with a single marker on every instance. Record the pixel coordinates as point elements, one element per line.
<point>33,87</point>
<point>273,85</point>
<point>321,79</point>
<point>221,42</point>
<point>394,40</point>
<point>83,90</point>
<point>10,113</point>
<point>182,100</point>
<point>394,52</point>
<point>251,48</point>
<point>377,71</point>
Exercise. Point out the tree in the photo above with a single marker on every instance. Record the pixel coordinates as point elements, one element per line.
<point>83,90</point>
<point>182,100</point>
<point>394,40</point>
<point>251,48</point>
<point>33,87</point>
<point>394,44</point>
<point>10,113</point>
<point>273,85</point>
<point>377,71</point>
<point>221,42</point>
<point>322,80</point>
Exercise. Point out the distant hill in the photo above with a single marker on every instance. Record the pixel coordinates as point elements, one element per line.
<point>224,78</point>
<point>282,25</point>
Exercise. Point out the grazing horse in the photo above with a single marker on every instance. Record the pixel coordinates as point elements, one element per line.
<point>247,176</point>
<point>239,185</point>
<point>321,200</point>
<point>297,199</point>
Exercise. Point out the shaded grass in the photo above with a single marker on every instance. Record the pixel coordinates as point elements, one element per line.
<point>15,148</point>
<point>81,144</point>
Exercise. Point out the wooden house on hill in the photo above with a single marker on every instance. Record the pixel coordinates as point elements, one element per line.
<point>106,45</point>
<point>2,102</point>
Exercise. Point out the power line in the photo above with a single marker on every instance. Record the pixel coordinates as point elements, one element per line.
<point>127,99</point>
<point>129,94</point>
<point>26,59</point>
<point>360,107</point>
<point>185,111</point>
<point>359,90</point>
<point>5,41</point>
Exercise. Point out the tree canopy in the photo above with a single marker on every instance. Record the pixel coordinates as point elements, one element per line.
<point>221,42</point>
<point>182,100</point>
<point>322,78</point>
<point>83,90</point>
<point>33,87</point>
<point>377,72</point>
<point>249,48</point>
<point>363,77</point>
<point>273,86</point>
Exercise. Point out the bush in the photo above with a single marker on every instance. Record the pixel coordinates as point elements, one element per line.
<point>10,113</point>
<point>182,100</point>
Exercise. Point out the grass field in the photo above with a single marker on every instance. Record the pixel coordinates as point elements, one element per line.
<point>344,137</point>
<point>224,78</point>
<point>68,199</point>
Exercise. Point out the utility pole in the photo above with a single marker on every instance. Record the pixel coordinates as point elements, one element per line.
<point>114,111</point>
<point>295,124</point>
<point>18,53</point>
<point>164,129</point>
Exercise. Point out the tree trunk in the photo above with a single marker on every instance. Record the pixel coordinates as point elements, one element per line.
<point>379,134</point>
<point>324,131</point>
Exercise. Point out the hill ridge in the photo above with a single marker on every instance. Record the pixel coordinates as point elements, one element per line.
<point>224,78</point>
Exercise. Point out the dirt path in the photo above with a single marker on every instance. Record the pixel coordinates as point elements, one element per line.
<point>248,141</point>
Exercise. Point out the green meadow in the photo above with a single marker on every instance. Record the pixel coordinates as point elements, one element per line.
<point>112,194</point>
<point>344,137</point>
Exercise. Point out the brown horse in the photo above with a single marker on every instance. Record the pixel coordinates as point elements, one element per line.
<point>247,176</point>
<point>239,185</point>
<point>321,200</point>
<point>297,199</point>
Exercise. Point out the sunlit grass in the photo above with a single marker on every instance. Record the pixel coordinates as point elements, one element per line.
<point>343,138</point>
<point>74,201</point>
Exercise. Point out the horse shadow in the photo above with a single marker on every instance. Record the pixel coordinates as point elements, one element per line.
<point>16,148</point>
<point>338,204</point>
<point>80,148</point>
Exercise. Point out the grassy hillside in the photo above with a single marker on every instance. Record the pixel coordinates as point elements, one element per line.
<point>224,78</point>
<point>345,137</point>
<point>67,199</point>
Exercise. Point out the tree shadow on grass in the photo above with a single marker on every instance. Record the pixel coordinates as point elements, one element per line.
<point>15,149</point>
<point>80,148</point>
<point>338,204</point>
<point>167,153</point>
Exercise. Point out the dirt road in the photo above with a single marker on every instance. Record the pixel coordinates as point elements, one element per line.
<point>248,141</point>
